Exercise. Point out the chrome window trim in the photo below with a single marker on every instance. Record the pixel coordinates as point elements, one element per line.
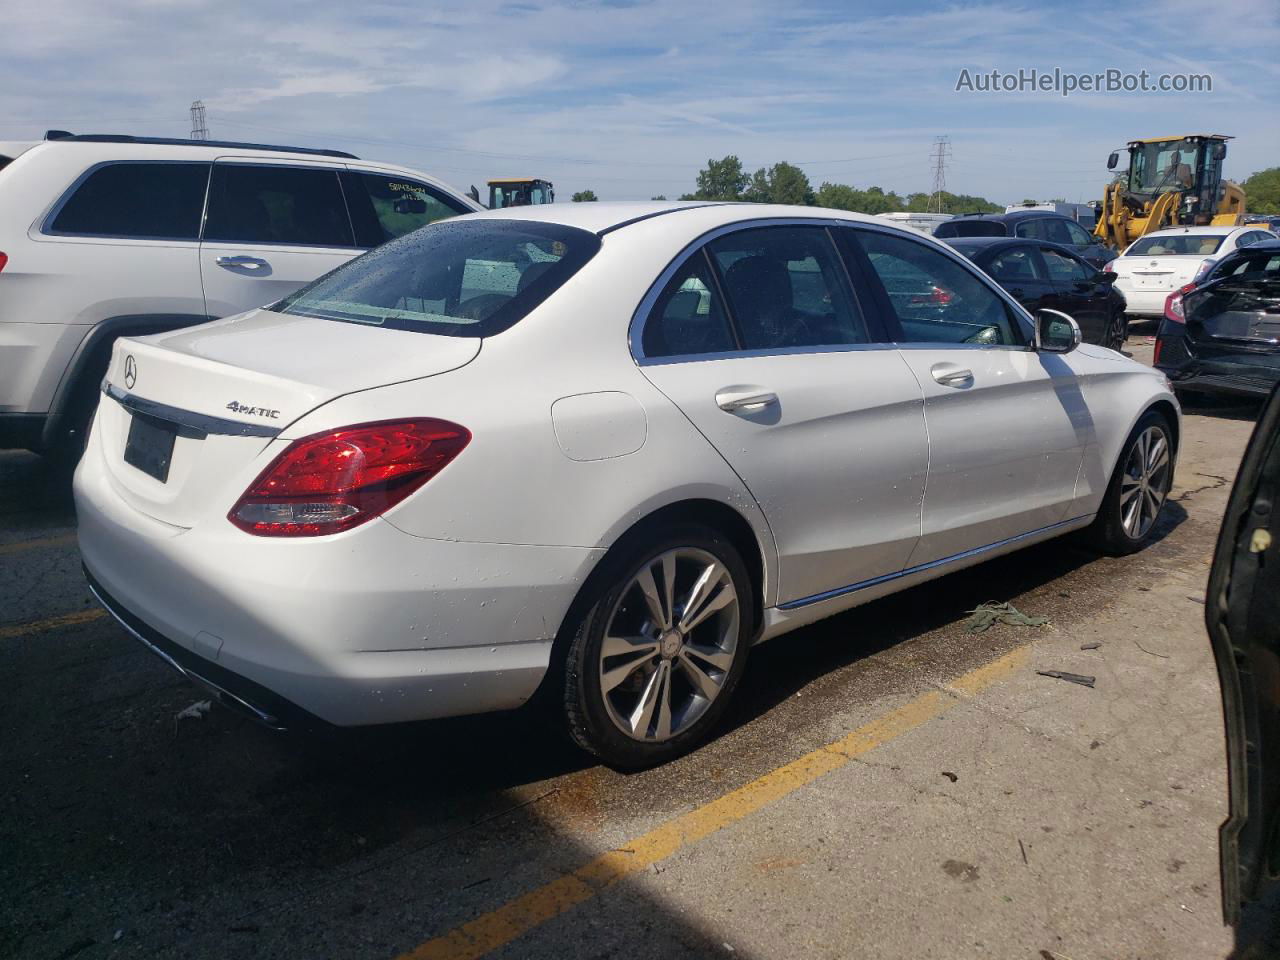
<point>45,228</point>
<point>199,423</point>
<point>640,316</point>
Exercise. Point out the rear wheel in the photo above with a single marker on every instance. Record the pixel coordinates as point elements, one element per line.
<point>652,664</point>
<point>1138,489</point>
<point>1117,331</point>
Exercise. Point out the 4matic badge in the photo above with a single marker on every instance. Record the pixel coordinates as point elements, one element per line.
<point>235,406</point>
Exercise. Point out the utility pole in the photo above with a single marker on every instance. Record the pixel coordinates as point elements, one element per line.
<point>199,129</point>
<point>941,154</point>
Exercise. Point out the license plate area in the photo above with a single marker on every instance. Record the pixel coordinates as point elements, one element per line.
<point>149,446</point>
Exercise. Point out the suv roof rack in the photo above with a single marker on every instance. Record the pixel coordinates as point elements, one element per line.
<point>174,142</point>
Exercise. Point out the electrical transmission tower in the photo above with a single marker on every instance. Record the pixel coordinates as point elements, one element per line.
<point>199,129</point>
<point>941,154</point>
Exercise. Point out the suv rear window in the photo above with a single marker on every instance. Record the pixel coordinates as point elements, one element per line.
<point>146,201</point>
<point>465,278</point>
<point>970,228</point>
<point>386,206</point>
<point>1180,245</point>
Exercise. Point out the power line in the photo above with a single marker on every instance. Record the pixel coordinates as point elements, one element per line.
<point>199,128</point>
<point>941,153</point>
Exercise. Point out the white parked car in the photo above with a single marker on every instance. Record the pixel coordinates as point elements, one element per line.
<point>600,447</point>
<point>1154,266</point>
<point>108,236</point>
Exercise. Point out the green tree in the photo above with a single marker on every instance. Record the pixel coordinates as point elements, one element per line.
<point>721,180</point>
<point>1262,191</point>
<point>585,196</point>
<point>658,197</point>
<point>839,196</point>
<point>758,188</point>
<point>789,184</point>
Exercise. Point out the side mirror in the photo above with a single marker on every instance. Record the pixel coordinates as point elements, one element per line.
<point>474,194</point>
<point>1056,332</point>
<point>1113,160</point>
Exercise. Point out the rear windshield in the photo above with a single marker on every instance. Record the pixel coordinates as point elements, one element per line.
<point>1253,264</point>
<point>970,228</point>
<point>458,278</point>
<point>1182,245</point>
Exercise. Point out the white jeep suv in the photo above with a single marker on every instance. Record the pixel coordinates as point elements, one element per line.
<point>106,236</point>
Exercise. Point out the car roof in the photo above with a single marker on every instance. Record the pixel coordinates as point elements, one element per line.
<point>605,217</point>
<point>60,137</point>
<point>1011,215</point>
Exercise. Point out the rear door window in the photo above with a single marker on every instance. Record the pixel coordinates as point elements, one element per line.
<point>1079,238</point>
<point>144,201</point>
<point>934,298</point>
<point>786,287</point>
<point>386,206</point>
<point>461,278</point>
<point>1017,265</point>
<point>277,205</point>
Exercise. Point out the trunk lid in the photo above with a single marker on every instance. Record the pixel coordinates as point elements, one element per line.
<point>223,390</point>
<point>1157,273</point>
<point>1242,613</point>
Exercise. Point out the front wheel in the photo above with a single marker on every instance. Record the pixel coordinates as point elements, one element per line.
<point>1138,489</point>
<point>652,664</point>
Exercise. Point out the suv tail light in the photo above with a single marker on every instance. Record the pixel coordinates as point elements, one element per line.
<point>4,258</point>
<point>1173,310</point>
<point>1109,267</point>
<point>334,481</point>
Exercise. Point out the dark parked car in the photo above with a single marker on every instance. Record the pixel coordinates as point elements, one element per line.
<point>1042,275</point>
<point>1030,225</point>
<point>1242,612</point>
<point>1222,335</point>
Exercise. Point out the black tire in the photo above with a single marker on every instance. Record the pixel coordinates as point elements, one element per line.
<point>1108,531</point>
<point>589,721</point>
<point>1117,331</point>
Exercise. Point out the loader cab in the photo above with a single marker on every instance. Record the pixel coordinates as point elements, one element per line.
<point>1190,166</point>
<point>519,192</point>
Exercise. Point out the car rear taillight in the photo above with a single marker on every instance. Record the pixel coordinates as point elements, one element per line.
<point>334,481</point>
<point>4,258</point>
<point>1155,354</point>
<point>1173,304</point>
<point>1203,270</point>
<point>1109,267</point>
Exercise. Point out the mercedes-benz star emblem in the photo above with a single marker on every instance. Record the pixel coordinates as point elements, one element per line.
<point>130,371</point>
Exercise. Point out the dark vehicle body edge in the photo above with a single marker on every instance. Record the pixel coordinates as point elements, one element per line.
<point>1242,614</point>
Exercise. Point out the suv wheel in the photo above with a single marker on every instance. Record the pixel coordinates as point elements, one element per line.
<point>653,663</point>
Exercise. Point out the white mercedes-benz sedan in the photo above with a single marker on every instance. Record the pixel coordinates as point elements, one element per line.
<point>596,448</point>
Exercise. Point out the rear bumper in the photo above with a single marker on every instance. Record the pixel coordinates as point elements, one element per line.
<point>366,627</point>
<point>1247,373</point>
<point>1144,303</point>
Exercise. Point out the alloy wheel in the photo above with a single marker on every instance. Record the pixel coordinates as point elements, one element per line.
<point>1144,483</point>
<point>669,644</point>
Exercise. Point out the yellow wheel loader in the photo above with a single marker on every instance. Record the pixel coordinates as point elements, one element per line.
<point>1171,181</point>
<point>520,192</point>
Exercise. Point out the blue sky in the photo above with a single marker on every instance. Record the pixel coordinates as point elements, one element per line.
<point>631,98</point>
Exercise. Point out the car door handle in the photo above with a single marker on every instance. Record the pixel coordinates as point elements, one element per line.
<point>744,399</point>
<point>244,263</point>
<point>949,375</point>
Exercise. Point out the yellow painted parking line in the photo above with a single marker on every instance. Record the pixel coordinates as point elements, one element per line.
<point>61,540</point>
<point>40,626</point>
<point>499,927</point>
